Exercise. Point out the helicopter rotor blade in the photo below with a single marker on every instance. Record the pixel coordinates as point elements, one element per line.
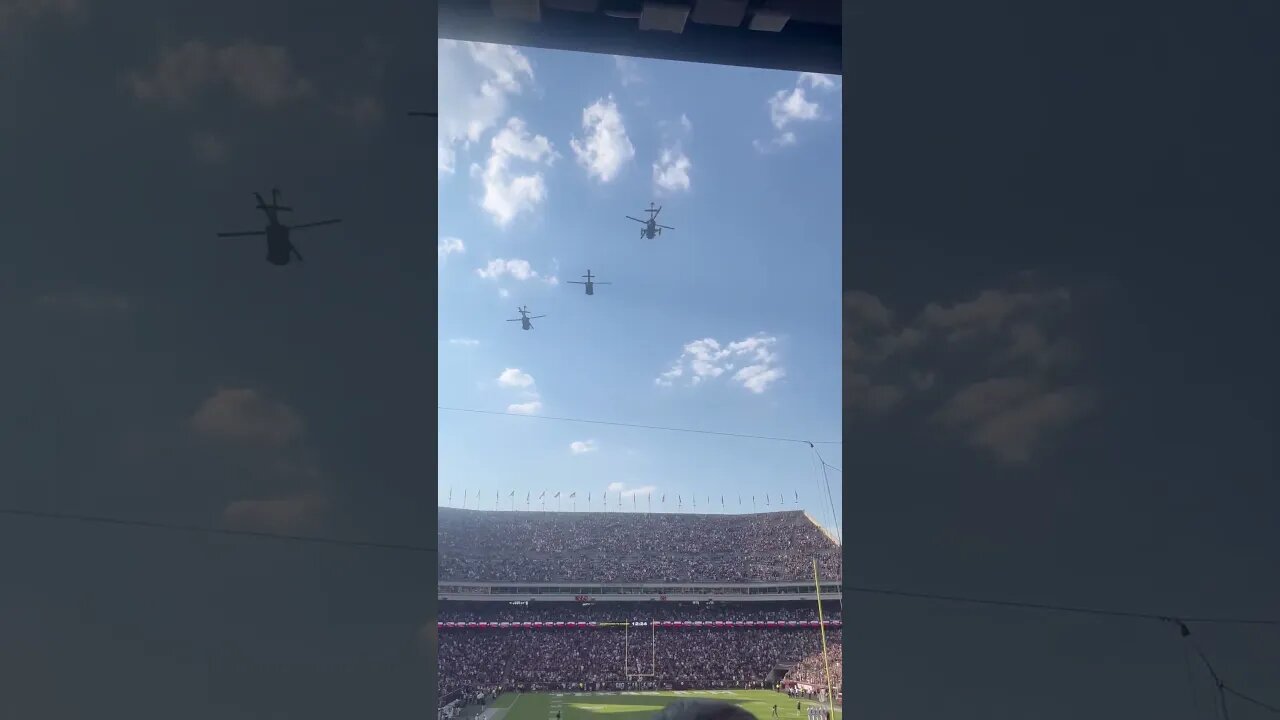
<point>576,282</point>
<point>666,227</point>
<point>535,317</point>
<point>243,234</point>
<point>314,224</point>
<point>601,283</point>
<point>637,219</point>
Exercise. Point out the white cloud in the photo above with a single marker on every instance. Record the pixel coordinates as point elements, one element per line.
<point>788,106</point>
<point>671,172</point>
<point>757,378</point>
<point>475,82</point>
<point>582,447</point>
<point>465,342</point>
<point>506,194</point>
<point>605,148</point>
<point>818,81</point>
<point>504,293</point>
<point>529,408</point>
<point>784,139</point>
<point>516,269</point>
<point>447,246</point>
<point>515,378</point>
<point>706,359</point>
<point>617,487</point>
<point>791,106</point>
<point>628,70</point>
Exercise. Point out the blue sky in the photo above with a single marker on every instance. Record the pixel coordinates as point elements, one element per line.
<point>730,322</point>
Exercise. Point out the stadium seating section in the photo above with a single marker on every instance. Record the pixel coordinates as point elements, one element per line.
<point>599,547</point>
<point>574,659</point>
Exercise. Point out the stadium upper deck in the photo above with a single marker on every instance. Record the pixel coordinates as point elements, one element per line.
<point>550,547</point>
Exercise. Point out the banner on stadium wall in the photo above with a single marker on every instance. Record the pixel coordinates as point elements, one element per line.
<point>656,623</point>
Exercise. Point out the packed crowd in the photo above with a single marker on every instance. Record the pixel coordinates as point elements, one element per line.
<point>600,547</point>
<point>480,660</point>
<point>637,611</point>
<point>812,671</point>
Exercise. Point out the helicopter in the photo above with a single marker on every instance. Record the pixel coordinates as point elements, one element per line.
<point>525,318</point>
<point>651,227</point>
<point>590,284</point>
<point>279,248</point>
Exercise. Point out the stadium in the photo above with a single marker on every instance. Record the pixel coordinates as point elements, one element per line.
<point>551,614</point>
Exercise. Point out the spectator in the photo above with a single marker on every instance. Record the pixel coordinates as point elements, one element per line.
<point>591,659</point>
<point>600,547</point>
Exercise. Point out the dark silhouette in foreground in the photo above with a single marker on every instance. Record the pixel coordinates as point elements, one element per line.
<point>651,227</point>
<point>591,284</point>
<point>525,318</point>
<point>702,710</point>
<point>280,250</point>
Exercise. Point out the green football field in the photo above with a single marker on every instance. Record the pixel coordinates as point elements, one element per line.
<point>638,705</point>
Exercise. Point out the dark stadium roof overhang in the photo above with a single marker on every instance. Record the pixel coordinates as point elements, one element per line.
<point>800,35</point>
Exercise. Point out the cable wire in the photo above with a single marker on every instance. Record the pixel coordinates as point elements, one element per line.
<point>830,499</point>
<point>105,520</point>
<point>746,436</point>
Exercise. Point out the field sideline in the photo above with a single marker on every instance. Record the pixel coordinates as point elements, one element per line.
<point>637,705</point>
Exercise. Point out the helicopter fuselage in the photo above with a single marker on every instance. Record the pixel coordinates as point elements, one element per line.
<point>591,288</point>
<point>525,324</point>
<point>279,248</point>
